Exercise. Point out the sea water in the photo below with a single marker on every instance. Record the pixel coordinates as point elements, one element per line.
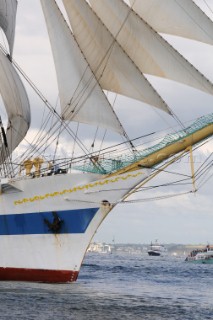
<point>117,286</point>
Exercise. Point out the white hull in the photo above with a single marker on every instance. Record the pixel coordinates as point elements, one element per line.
<point>29,249</point>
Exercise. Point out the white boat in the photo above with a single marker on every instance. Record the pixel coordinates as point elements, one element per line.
<point>204,256</point>
<point>50,211</point>
<point>156,249</point>
<point>98,247</point>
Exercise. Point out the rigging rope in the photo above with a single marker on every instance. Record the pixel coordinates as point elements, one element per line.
<point>208,6</point>
<point>156,198</point>
<point>73,149</point>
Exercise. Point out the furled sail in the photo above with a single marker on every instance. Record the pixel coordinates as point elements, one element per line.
<point>16,104</point>
<point>176,17</point>
<point>150,52</point>
<point>8,19</point>
<point>82,99</point>
<point>113,67</point>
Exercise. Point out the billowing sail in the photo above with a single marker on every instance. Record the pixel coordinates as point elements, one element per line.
<point>113,67</point>
<point>82,99</point>
<point>176,17</point>
<point>150,52</point>
<point>16,104</point>
<point>8,19</point>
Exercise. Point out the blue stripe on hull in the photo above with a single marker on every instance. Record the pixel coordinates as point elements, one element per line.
<point>73,221</point>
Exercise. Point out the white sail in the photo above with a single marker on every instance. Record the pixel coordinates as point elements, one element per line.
<point>8,19</point>
<point>16,104</point>
<point>150,52</point>
<point>114,68</point>
<point>176,17</point>
<point>82,99</point>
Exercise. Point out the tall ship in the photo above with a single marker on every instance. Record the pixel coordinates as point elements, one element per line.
<point>62,177</point>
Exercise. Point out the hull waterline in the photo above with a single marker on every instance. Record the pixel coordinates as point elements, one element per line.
<point>201,261</point>
<point>38,275</point>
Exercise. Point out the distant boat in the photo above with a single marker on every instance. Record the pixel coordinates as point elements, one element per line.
<point>201,255</point>
<point>99,248</point>
<point>156,249</point>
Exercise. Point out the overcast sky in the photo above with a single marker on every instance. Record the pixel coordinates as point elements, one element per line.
<point>184,219</point>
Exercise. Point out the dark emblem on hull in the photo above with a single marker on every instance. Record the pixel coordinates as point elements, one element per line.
<point>56,225</point>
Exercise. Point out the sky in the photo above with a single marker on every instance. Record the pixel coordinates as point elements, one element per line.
<point>184,219</point>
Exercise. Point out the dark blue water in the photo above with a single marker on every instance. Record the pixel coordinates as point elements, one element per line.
<point>117,287</point>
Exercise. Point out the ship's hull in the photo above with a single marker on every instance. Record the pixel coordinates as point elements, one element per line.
<point>206,260</point>
<point>156,250</point>
<point>38,275</point>
<point>154,253</point>
<point>47,223</point>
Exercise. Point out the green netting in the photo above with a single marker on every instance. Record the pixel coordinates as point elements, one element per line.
<point>106,166</point>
